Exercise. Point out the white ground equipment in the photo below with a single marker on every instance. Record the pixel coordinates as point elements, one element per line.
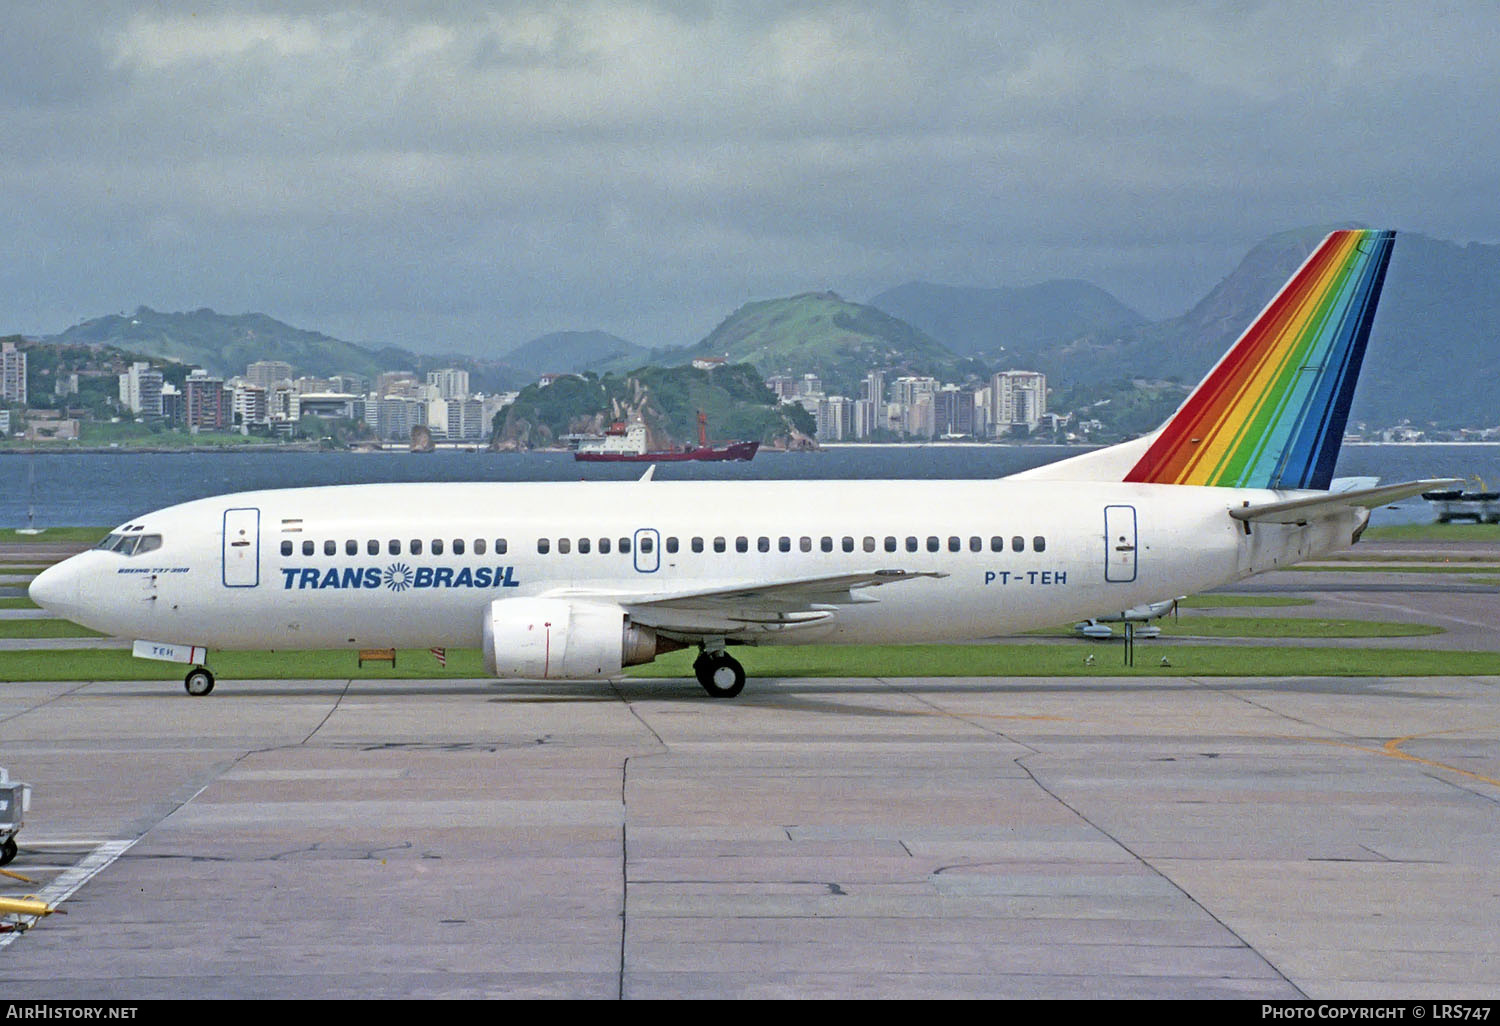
<point>15,800</point>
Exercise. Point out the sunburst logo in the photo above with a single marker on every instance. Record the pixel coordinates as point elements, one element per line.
<point>397,577</point>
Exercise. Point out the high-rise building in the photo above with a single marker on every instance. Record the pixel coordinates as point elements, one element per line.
<point>206,405</point>
<point>1018,398</point>
<point>250,405</point>
<point>140,390</point>
<point>266,373</point>
<point>835,415</point>
<point>12,374</point>
<point>450,382</point>
<point>953,411</point>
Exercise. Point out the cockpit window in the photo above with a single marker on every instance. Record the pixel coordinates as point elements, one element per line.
<point>130,544</point>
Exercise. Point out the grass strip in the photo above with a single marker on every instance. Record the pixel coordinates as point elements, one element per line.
<point>1291,627</point>
<point>1236,601</point>
<point>1000,661</point>
<point>10,535</point>
<point>1435,532</point>
<point>44,628</point>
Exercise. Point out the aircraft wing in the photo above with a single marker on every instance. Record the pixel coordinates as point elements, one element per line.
<point>1314,507</point>
<point>760,608</point>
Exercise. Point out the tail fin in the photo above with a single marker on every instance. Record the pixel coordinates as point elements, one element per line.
<point>1271,413</point>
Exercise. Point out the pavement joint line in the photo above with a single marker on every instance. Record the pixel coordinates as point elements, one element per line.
<point>68,883</point>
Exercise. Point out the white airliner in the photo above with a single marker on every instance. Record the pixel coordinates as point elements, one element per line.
<point>577,580</point>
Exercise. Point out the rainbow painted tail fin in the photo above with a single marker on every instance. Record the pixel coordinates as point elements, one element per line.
<point>1271,413</point>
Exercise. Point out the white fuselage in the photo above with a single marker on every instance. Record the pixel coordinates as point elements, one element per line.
<point>334,567</point>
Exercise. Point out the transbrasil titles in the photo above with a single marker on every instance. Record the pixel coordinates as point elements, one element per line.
<point>397,577</point>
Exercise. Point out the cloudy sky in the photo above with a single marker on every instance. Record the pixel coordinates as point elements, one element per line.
<point>465,176</point>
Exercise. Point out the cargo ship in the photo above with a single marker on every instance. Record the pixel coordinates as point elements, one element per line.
<point>622,444</point>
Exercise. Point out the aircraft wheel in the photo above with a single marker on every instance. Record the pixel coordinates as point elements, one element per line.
<point>7,851</point>
<point>199,681</point>
<point>722,677</point>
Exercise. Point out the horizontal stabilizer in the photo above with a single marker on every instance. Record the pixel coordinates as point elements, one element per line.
<point>1326,504</point>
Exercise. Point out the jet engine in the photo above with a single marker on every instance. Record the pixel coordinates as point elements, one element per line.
<point>561,639</point>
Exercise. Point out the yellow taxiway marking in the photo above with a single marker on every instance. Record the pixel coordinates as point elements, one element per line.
<point>1392,750</point>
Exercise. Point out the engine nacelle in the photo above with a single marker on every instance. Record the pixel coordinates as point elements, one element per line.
<point>561,639</point>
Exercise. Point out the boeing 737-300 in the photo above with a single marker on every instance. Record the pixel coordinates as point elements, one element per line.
<point>578,580</point>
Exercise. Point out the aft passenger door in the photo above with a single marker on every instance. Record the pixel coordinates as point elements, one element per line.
<point>1119,544</point>
<point>241,548</point>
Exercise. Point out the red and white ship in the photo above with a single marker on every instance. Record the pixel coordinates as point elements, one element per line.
<point>622,444</point>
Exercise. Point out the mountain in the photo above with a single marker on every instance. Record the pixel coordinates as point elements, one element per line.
<point>1003,324</point>
<point>822,333</point>
<point>1432,355</point>
<point>572,352</point>
<point>224,344</point>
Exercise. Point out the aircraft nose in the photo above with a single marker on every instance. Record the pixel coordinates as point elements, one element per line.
<point>55,589</point>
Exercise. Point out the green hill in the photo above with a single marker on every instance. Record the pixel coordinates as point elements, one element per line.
<point>824,334</point>
<point>736,401</point>
<point>224,344</point>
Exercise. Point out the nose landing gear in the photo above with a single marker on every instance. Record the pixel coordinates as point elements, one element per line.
<point>199,681</point>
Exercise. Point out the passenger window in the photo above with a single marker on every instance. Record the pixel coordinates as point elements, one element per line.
<point>742,544</point>
<point>500,546</point>
<point>624,546</point>
<point>911,544</point>
<point>1039,544</point>
<point>307,547</point>
<point>416,547</point>
<point>458,546</point>
<point>286,548</point>
<point>997,544</point>
<point>393,547</point>
<point>719,544</point>
<point>564,546</point>
<point>330,548</point>
<point>955,544</point>
<point>672,543</point>
<point>763,544</point>
<point>583,546</point>
<point>372,547</point>
<point>933,543</point>
<point>479,546</point>
<point>543,546</point>
<point>805,543</point>
<point>697,545</point>
<point>351,547</point>
<point>437,546</point>
<point>869,544</point>
<point>647,544</point>
<point>604,546</point>
<point>783,544</point>
<point>890,543</point>
<point>1018,544</point>
<point>848,544</point>
<point>826,544</point>
<point>976,544</point>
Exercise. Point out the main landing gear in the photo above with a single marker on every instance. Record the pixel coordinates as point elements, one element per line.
<point>720,673</point>
<point>199,681</point>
